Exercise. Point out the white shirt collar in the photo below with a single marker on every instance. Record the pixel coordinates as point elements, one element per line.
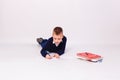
<point>55,44</point>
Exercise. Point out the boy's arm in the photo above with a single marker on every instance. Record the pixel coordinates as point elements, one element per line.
<point>44,50</point>
<point>61,51</point>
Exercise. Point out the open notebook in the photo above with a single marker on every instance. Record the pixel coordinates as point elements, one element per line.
<point>89,57</point>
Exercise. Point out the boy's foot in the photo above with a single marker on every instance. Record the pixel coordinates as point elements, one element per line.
<point>39,40</point>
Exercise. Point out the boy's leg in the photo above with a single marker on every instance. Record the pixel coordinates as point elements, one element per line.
<point>42,41</point>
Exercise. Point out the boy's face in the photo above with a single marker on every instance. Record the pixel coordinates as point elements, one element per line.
<point>57,38</point>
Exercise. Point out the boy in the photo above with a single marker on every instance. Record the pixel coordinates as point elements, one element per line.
<point>55,45</point>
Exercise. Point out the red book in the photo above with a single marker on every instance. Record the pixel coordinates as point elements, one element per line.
<point>89,56</point>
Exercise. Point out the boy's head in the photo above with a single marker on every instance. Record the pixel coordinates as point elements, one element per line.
<point>57,35</point>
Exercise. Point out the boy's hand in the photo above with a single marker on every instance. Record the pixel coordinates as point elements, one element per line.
<point>56,55</point>
<point>48,57</point>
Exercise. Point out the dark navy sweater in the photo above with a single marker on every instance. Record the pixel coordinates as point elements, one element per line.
<point>52,48</point>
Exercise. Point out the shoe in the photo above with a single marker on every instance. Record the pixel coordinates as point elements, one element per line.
<point>39,40</point>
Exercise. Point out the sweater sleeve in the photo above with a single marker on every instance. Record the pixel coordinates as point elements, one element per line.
<point>44,50</point>
<point>62,50</point>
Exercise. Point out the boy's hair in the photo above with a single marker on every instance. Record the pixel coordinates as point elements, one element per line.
<point>57,30</point>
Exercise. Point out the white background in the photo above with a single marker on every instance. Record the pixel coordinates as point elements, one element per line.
<point>90,25</point>
<point>83,21</point>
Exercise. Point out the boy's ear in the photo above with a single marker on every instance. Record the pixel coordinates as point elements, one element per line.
<point>62,36</point>
<point>53,33</point>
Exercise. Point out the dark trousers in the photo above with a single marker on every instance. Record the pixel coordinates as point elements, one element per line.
<point>43,43</point>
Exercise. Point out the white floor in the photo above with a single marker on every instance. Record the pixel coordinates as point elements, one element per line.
<point>24,62</point>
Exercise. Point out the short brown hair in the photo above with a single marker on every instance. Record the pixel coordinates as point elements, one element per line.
<point>57,30</point>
